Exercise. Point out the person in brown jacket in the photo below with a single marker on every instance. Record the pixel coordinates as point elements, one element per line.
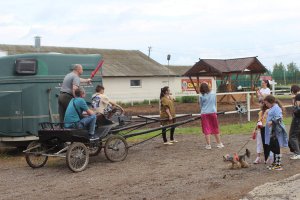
<point>167,114</point>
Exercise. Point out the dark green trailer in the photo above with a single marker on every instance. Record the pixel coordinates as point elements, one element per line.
<point>29,87</point>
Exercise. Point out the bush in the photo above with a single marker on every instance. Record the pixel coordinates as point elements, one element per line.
<point>178,99</point>
<point>155,101</point>
<point>189,99</point>
<point>138,103</point>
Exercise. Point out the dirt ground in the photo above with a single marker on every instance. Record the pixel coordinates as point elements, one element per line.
<point>152,170</point>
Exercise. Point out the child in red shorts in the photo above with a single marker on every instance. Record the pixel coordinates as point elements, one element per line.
<point>209,119</point>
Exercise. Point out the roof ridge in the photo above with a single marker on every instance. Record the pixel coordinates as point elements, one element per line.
<point>229,58</point>
<point>44,46</point>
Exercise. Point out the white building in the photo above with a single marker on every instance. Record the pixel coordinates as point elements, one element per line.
<point>132,76</point>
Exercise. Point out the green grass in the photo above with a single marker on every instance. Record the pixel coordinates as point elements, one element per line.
<point>228,129</point>
<point>284,97</point>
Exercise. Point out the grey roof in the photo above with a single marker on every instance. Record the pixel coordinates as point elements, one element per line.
<point>178,70</point>
<point>117,63</point>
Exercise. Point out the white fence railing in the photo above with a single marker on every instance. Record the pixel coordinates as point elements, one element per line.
<point>145,97</point>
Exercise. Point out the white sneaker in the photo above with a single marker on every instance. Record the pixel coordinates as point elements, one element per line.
<point>295,157</point>
<point>220,145</point>
<point>173,141</point>
<point>208,146</point>
<point>257,160</point>
<point>168,143</point>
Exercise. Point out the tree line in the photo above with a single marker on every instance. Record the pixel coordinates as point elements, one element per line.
<point>285,75</point>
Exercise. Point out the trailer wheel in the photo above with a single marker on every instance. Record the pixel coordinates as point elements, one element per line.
<point>116,148</point>
<point>34,157</point>
<point>77,157</point>
<point>95,149</point>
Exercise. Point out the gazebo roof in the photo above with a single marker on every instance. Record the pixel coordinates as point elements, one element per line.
<point>219,67</point>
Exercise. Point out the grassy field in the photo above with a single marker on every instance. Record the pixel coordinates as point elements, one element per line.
<point>246,128</point>
<point>283,97</point>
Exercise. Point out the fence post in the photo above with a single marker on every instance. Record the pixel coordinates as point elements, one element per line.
<point>248,107</point>
<point>273,88</point>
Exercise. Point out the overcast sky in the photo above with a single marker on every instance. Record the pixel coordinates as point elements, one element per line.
<point>186,29</point>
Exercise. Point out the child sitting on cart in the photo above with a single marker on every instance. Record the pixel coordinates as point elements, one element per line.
<point>103,107</point>
<point>74,117</point>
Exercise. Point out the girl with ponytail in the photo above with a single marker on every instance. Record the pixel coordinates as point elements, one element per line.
<point>167,114</point>
<point>263,91</point>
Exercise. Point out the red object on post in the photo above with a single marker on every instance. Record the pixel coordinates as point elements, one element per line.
<point>97,69</point>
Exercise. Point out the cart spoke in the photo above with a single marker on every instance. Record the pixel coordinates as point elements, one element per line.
<point>77,157</point>
<point>34,157</point>
<point>116,148</point>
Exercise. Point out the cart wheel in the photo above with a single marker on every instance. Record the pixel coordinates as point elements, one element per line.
<point>116,148</point>
<point>77,157</point>
<point>34,158</point>
<point>95,149</point>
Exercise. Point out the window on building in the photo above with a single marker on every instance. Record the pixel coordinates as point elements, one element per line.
<point>135,83</point>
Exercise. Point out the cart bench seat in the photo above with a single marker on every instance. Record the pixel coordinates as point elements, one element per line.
<point>64,135</point>
<point>54,131</point>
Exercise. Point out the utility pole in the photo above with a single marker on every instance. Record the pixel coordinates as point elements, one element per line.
<point>168,58</point>
<point>149,51</point>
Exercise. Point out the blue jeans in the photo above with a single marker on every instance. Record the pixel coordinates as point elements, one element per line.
<point>89,123</point>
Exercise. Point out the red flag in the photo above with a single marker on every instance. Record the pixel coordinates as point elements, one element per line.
<point>97,69</point>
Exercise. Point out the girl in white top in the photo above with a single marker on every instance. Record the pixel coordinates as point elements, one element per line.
<point>264,90</point>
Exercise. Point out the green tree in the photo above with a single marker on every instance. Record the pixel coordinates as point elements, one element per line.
<point>292,67</point>
<point>279,73</point>
<point>292,72</point>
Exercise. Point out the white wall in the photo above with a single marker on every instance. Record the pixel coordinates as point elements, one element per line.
<point>118,88</point>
